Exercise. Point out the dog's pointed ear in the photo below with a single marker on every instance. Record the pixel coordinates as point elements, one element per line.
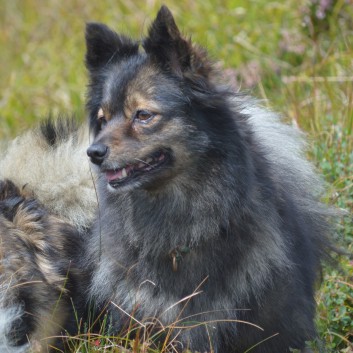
<point>105,46</point>
<point>166,46</point>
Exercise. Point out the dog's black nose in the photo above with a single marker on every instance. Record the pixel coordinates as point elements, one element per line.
<point>97,153</point>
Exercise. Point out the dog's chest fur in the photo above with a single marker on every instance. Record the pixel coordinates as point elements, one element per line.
<point>156,250</point>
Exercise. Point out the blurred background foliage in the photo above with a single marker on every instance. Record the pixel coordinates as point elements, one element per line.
<point>296,55</point>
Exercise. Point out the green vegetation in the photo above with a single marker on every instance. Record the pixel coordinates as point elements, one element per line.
<point>295,54</point>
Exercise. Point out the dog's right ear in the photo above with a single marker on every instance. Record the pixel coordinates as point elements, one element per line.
<point>166,46</point>
<point>105,46</point>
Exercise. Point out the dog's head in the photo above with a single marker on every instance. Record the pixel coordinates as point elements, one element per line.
<point>153,110</point>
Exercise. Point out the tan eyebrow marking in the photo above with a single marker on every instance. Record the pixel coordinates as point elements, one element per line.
<point>100,113</point>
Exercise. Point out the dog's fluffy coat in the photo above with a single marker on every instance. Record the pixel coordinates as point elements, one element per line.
<point>202,195</point>
<point>50,162</point>
<point>38,273</point>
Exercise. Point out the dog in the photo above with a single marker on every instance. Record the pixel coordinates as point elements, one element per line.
<point>38,273</point>
<point>45,211</point>
<point>210,228</point>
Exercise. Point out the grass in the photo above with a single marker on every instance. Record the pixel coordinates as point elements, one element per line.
<point>296,58</point>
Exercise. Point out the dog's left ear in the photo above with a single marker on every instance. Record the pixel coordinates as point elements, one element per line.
<point>166,45</point>
<point>104,46</point>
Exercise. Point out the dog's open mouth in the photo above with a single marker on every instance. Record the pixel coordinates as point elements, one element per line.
<point>120,176</point>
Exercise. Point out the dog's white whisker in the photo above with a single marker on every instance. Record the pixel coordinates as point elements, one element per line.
<point>140,160</point>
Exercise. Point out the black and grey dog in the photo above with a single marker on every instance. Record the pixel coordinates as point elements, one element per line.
<point>210,231</point>
<point>209,221</point>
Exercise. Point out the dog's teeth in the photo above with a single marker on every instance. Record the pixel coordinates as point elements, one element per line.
<point>123,173</point>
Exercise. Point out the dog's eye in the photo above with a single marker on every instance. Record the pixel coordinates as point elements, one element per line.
<point>144,116</point>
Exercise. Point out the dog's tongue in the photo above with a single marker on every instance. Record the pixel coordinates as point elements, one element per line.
<point>117,174</point>
<point>113,175</point>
